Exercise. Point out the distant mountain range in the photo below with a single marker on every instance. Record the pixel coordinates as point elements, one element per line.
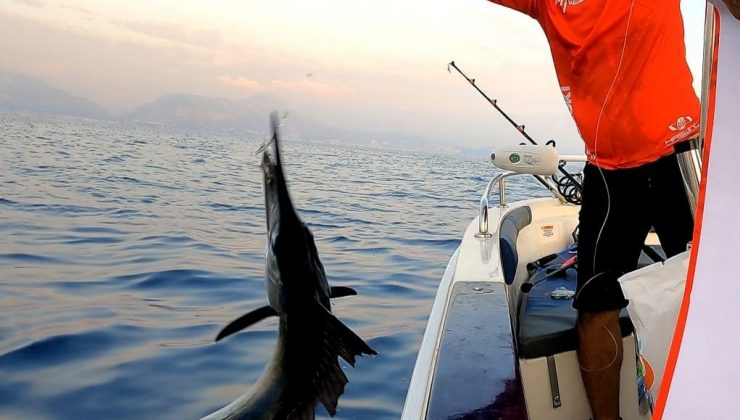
<point>207,112</point>
<point>24,93</point>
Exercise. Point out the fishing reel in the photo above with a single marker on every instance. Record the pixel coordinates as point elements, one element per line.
<point>527,159</point>
<point>542,161</point>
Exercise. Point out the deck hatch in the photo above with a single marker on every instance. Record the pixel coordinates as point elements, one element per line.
<point>476,374</point>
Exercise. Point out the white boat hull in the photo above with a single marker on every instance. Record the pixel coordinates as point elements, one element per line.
<point>549,389</point>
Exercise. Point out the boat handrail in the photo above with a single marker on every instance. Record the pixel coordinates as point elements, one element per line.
<point>500,179</point>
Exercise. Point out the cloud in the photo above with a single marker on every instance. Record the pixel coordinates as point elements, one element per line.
<point>312,87</point>
<point>241,83</point>
<point>32,3</point>
<point>306,87</point>
<point>175,33</point>
<point>88,14</point>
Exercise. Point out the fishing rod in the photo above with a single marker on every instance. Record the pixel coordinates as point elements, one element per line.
<point>519,128</point>
<point>574,182</point>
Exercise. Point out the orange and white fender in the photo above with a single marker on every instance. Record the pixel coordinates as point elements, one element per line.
<point>702,375</point>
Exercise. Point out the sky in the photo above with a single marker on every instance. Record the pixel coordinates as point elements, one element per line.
<point>367,65</point>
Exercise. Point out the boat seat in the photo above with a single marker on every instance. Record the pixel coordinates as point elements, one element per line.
<point>547,325</point>
<point>511,224</point>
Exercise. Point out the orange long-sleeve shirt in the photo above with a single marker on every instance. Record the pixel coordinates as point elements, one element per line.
<point>633,51</point>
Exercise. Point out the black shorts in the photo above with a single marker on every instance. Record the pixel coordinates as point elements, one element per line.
<point>619,208</point>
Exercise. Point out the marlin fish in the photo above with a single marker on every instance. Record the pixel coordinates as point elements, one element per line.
<point>304,369</point>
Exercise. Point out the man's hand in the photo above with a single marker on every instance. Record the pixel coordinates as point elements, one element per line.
<point>734,6</point>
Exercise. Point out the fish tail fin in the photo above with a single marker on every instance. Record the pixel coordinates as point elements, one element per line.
<point>275,126</point>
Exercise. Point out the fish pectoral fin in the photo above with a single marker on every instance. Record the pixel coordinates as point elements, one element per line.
<point>341,291</point>
<point>246,320</point>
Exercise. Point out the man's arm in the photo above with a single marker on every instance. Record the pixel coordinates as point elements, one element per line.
<point>528,7</point>
<point>734,6</point>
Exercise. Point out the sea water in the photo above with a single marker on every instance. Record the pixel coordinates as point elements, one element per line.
<point>125,247</point>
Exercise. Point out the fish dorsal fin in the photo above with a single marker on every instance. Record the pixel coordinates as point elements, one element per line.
<point>246,320</point>
<point>346,343</point>
<point>341,291</point>
<point>338,340</point>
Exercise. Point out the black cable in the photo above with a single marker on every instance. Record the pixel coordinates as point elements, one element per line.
<point>568,190</point>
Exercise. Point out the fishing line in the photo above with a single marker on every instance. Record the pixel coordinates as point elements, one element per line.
<point>596,146</point>
<point>616,355</point>
<point>606,186</point>
<point>578,185</point>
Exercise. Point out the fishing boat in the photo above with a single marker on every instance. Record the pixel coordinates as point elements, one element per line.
<point>502,323</point>
<point>500,341</point>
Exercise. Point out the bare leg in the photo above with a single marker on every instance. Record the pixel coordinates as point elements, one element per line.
<point>600,357</point>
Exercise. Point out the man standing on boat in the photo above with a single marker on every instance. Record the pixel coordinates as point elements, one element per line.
<point>621,66</point>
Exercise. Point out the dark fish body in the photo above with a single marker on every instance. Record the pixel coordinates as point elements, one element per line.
<point>304,369</point>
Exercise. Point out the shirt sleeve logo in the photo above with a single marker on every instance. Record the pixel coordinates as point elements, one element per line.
<point>680,123</point>
<point>683,128</point>
<point>565,90</point>
<point>565,3</point>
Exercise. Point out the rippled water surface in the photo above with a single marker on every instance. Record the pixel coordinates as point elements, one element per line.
<point>124,248</point>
